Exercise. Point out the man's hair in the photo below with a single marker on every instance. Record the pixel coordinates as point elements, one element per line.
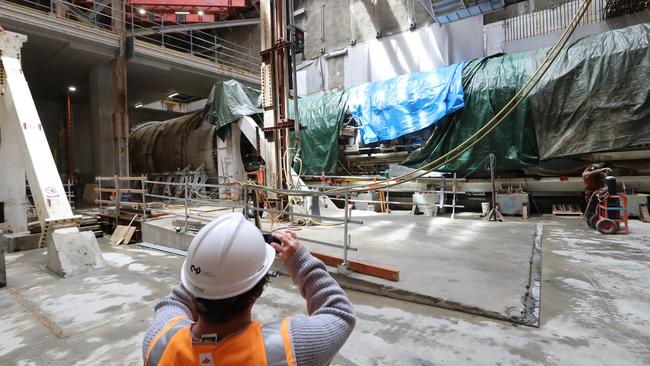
<point>224,310</point>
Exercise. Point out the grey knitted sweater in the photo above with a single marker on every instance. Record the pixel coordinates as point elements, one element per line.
<point>316,338</point>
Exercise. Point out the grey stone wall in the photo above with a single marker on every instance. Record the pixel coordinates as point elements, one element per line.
<point>334,24</point>
<point>519,8</point>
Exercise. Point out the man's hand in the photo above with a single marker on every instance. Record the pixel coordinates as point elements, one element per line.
<point>289,243</point>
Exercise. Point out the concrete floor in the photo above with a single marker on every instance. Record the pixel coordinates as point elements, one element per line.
<point>595,302</point>
<point>441,261</point>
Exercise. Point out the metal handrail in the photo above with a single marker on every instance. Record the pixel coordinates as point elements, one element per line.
<point>191,188</point>
<point>198,43</point>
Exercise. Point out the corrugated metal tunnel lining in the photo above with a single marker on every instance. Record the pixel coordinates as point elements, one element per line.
<point>167,146</point>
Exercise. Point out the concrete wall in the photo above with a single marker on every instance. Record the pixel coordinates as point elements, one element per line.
<point>247,39</point>
<point>349,42</point>
<point>139,115</point>
<point>335,24</point>
<point>49,112</point>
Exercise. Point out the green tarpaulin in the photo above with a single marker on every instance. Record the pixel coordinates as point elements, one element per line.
<point>229,101</point>
<point>322,115</point>
<point>488,84</point>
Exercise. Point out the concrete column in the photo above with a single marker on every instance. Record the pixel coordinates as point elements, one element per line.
<point>120,117</point>
<point>120,114</point>
<point>101,115</point>
<point>12,177</point>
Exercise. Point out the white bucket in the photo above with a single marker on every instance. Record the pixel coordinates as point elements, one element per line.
<point>485,208</point>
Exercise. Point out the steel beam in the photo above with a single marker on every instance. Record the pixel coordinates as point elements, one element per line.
<point>200,26</point>
<point>190,3</point>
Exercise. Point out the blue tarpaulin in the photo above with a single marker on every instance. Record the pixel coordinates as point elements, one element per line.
<point>388,109</point>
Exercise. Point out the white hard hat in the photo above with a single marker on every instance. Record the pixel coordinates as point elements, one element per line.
<point>226,258</point>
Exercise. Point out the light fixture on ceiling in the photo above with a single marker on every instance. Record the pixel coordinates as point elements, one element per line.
<point>182,13</point>
<point>142,11</point>
<point>72,88</point>
<point>201,13</point>
<point>170,96</point>
<point>138,105</point>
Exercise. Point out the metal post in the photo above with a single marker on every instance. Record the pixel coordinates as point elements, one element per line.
<point>162,28</point>
<point>144,199</point>
<point>250,55</point>
<point>245,201</point>
<point>191,43</point>
<point>99,191</point>
<point>442,193</point>
<point>94,14</point>
<point>322,178</point>
<point>493,216</point>
<point>294,79</point>
<point>215,49</point>
<point>52,6</point>
<point>132,23</point>
<point>187,202</point>
<point>387,200</point>
<point>117,202</point>
<point>345,230</point>
<point>453,199</point>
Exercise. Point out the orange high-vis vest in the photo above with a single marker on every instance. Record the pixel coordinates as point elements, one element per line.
<point>256,345</point>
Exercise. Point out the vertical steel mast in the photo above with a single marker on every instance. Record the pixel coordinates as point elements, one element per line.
<point>278,79</point>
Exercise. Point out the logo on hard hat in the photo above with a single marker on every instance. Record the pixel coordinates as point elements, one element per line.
<point>195,269</point>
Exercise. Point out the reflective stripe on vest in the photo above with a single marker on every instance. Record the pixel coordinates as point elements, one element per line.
<point>274,345</point>
<point>277,343</point>
<point>159,344</point>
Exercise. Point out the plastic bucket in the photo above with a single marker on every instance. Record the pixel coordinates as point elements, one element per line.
<point>485,208</point>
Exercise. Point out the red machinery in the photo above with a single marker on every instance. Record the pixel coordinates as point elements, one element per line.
<point>612,215</point>
<point>174,11</point>
<point>185,11</point>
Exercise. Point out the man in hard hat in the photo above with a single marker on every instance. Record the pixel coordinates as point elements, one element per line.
<point>593,179</point>
<point>207,320</point>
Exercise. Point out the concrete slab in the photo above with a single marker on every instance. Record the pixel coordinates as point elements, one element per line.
<point>594,305</point>
<point>20,241</point>
<point>475,266</point>
<point>163,232</point>
<point>442,262</point>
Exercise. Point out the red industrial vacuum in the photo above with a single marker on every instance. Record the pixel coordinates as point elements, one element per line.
<point>611,215</point>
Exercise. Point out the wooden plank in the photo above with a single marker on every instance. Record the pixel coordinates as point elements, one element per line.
<point>144,177</point>
<point>127,236</point>
<point>374,270</point>
<point>118,234</point>
<point>124,190</point>
<point>123,203</point>
<point>90,228</point>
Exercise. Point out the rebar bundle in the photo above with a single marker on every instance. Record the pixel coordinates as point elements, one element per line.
<point>617,8</point>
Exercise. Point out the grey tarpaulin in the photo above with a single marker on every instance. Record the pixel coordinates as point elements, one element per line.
<point>596,96</point>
